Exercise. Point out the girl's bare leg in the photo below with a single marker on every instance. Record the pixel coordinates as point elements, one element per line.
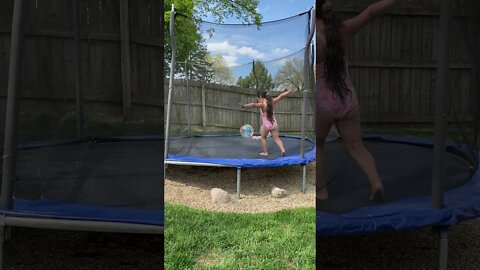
<point>278,141</point>
<point>323,123</point>
<point>350,131</point>
<point>264,133</point>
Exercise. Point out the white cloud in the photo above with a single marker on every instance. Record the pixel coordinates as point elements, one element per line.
<point>250,52</point>
<point>220,47</point>
<point>231,53</point>
<point>230,60</point>
<point>279,52</point>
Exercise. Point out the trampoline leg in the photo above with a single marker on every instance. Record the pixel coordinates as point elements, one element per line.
<point>304,177</point>
<point>239,180</point>
<point>2,241</point>
<point>8,233</point>
<point>443,248</point>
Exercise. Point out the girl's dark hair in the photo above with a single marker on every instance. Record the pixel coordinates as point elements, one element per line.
<point>335,66</point>
<point>269,106</point>
<point>318,6</point>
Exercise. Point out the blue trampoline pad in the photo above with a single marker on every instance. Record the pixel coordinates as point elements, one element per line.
<point>405,166</point>
<point>236,151</point>
<point>56,210</point>
<point>96,179</point>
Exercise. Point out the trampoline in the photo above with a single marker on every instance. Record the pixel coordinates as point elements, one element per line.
<point>117,180</point>
<point>405,165</point>
<point>66,161</point>
<point>238,152</point>
<point>199,106</point>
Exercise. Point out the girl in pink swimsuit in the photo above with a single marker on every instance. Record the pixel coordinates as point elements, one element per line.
<point>336,100</point>
<point>269,124</point>
<point>327,100</point>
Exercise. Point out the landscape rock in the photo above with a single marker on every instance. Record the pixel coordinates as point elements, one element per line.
<point>278,192</point>
<point>219,195</point>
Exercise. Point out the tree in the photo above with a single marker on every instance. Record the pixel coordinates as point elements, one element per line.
<point>198,65</point>
<point>246,10</point>
<point>261,78</point>
<point>291,75</point>
<point>221,73</point>
<point>188,39</point>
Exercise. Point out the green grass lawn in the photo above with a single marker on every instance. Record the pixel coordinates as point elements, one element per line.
<point>196,239</point>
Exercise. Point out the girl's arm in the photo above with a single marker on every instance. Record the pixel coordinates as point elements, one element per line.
<point>282,95</point>
<point>252,105</point>
<point>353,25</point>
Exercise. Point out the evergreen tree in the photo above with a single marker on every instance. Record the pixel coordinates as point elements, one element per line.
<point>260,78</point>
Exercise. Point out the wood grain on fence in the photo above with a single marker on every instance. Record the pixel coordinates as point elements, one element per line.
<point>216,107</point>
<point>393,63</point>
<point>107,67</point>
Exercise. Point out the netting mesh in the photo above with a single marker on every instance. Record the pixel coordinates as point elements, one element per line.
<point>231,66</point>
<point>90,125</point>
<point>393,63</point>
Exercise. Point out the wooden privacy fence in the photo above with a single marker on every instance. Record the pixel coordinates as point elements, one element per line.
<point>114,48</point>
<point>393,65</point>
<point>393,61</point>
<point>216,107</point>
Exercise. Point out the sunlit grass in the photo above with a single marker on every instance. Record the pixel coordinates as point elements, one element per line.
<point>196,239</point>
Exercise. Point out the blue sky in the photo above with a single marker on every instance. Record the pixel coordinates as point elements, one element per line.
<point>272,43</point>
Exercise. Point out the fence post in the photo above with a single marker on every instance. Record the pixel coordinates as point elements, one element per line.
<point>78,71</point>
<point>208,113</point>
<point>204,111</point>
<point>189,99</point>
<point>126,63</point>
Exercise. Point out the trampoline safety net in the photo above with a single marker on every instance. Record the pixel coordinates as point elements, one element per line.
<point>231,65</point>
<point>396,80</point>
<point>90,147</point>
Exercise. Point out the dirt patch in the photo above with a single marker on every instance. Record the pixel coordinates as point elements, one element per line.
<point>210,259</point>
<point>191,186</point>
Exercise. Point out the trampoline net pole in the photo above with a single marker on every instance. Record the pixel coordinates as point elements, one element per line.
<point>306,65</point>
<point>312,85</point>
<point>170,86</point>
<point>189,97</point>
<point>302,142</point>
<point>258,95</point>
<point>438,177</point>
<point>13,98</point>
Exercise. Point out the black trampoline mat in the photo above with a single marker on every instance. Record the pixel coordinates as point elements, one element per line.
<point>121,174</point>
<point>406,171</point>
<point>233,147</point>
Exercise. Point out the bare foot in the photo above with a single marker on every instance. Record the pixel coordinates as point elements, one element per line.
<point>377,194</point>
<point>264,154</point>
<point>322,194</point>
<point>284,153</point>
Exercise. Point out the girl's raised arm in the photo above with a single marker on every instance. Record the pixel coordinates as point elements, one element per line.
<point>353,25</point>
<point>282,95</point>
<point>252,105</point>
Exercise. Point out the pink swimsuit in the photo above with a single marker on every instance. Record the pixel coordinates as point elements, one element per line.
<point>266,123</point>
<point>328,101</point>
